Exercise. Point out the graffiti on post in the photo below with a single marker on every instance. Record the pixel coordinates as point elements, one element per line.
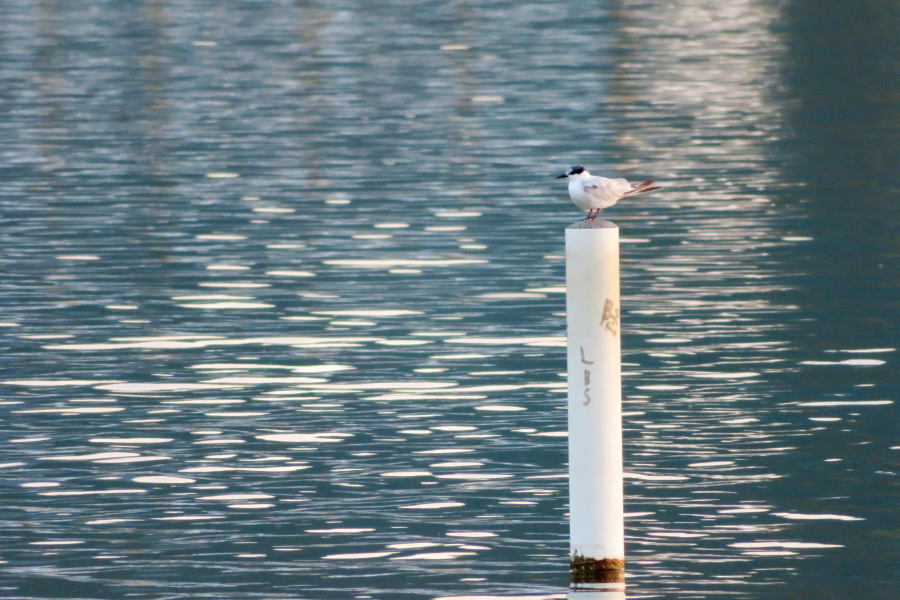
<point>587,378</point>
<point>610,317</point>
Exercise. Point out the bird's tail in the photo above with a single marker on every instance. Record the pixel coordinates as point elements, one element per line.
<point>641,188</point>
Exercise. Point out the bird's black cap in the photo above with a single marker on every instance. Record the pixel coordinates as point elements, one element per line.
<point>575,170</point>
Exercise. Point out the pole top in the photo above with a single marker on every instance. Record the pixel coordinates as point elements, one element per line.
<point>593,224</point>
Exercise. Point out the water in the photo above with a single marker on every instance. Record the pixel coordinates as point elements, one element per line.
<point>283,308</point>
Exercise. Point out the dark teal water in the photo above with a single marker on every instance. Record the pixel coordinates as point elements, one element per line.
<point>283,295</point>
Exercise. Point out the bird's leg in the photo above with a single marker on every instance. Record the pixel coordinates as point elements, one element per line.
<point>589,213</point>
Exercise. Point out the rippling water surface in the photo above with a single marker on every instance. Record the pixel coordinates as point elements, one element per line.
<point>283,295</point>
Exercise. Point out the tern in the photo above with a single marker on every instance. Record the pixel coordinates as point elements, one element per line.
<point>590,192</point>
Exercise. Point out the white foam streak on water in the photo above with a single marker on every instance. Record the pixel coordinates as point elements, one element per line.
<point>40,383</point>
<point>412,545</point>
<point>110,521</point>
<point>434,556</point>
<point>646,477</point>
<point>853,362</point>
<point>190,518</point>
<point>264,380</point>
<point>206,401</point>
<point>291,273</point>
<point>870,350</point>
<point>73,410</point>
<point>161,387</point>
<point>203,343</point>
<point>675,534</point>
<point>368,313</point>
<point>134,459</point>
<point>212,469</point>
<point>131,441</point>
<point>847,403</point>
<point>228,497</point>
<point>221,305</point>
<point>392,263</point>
<point>162,479</point>
<point>255,366</point>
<point>420,396</point>
<point>314,438</point>
<point>93,492</point>
<point>823,517</point>
<point>233,284</point>
<point>743,375</point>
<point>794,545</point>
<point>504,341</point>
<point>357,555</point>
<point>419,386</point>
<point>474,476</point>
<point>93,456</point>
<point>507,597</point>
<point>57,543</point>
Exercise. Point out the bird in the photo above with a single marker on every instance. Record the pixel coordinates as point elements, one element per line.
<point>590,192</point>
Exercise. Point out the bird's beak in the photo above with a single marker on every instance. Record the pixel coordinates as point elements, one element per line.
<point>563,176</point>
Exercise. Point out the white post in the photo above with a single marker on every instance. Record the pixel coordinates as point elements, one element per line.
<point>597,525</point>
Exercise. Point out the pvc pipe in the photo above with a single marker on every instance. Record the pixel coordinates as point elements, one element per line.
<point>597,524</point>
<point>594,595</point>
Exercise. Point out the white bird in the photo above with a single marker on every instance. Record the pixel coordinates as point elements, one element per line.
<point>591,193</point>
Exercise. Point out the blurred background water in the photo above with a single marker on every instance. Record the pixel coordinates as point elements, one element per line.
<point>283,295</point>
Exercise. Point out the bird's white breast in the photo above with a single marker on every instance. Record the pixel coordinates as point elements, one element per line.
<point>596,192</point>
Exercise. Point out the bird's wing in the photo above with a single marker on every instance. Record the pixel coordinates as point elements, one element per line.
<point>602,187</point>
